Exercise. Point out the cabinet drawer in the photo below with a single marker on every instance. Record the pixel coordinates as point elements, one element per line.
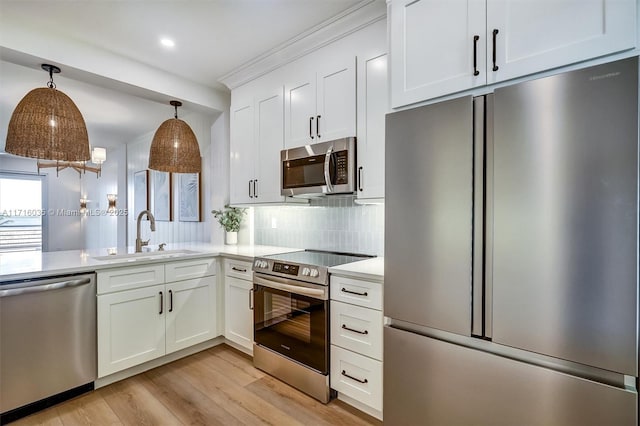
<point>238,269</point>
<point>357,292</point>
<point>119,279</point>
<point>357,376</point>
<point>188,269</point>
<point>357,329</point>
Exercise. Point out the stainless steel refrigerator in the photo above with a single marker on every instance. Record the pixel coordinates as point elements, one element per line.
<point>511,255</point>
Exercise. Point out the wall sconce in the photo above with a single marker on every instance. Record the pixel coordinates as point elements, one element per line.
<point>83,205</point>
<point>112,202</point>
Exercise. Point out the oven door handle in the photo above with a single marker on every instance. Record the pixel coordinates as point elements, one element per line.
<point>279,284</point>
<point>327,172</point>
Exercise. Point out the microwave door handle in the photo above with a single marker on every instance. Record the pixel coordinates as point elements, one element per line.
<point>327,174</point>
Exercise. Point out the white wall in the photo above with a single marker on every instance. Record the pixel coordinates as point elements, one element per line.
<point>100,228</point>
<point>63,193</point>
<point>174,231</point>
<point>219,185</point>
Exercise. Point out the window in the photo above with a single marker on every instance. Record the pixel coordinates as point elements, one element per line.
<point>22,212</point>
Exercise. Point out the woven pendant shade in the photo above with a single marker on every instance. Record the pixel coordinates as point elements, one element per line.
<point>174,147</point>
<point>46,124</point>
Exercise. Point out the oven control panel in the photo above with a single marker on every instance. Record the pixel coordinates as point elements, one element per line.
<point>285,268</point>
<point>301,272</point>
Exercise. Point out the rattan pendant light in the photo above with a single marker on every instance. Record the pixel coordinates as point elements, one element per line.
<point>47,125</point>
<point>174,147</point>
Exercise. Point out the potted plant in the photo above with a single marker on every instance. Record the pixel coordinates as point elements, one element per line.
<point>230,219</point>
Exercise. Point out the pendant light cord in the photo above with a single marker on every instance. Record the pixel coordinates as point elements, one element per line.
<point>176,107</point>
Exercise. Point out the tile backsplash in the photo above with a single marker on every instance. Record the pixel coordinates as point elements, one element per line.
<point>332,223</point>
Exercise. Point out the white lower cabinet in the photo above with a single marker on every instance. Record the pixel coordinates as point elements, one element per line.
<point>356,342</point>
<point>190,318</point>
<point>141,324</point>
<point>238,312</point>
<point>131,328</point>
<point>357,376</point>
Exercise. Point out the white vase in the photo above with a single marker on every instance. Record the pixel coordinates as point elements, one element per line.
<point>231,237</point>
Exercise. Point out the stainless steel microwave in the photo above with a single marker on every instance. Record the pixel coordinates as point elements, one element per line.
<point>322,168</point>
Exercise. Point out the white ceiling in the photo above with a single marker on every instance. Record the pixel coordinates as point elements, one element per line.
<point>213,37</point>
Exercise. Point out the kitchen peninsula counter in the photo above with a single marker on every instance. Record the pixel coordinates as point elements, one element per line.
<point>34,264</point>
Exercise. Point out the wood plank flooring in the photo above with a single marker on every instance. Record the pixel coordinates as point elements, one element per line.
<point>218,386</point>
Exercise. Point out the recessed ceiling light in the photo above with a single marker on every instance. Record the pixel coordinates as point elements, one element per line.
<point>167,42</point>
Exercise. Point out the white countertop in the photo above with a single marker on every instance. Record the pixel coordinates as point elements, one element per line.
<point>370,269</point>
<point>33,264</point>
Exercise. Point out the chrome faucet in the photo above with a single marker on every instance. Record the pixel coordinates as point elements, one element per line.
<point>139,242</point>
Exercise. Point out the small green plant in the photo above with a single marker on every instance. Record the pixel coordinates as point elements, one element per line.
<point>229,218</point>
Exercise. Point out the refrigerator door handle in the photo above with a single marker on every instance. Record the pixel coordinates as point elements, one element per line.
<point>488,219</point>
<point>477,308</point>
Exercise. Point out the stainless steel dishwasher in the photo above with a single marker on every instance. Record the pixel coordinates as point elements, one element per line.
<point>47,342</point>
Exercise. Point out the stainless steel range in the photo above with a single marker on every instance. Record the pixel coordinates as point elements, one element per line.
<point>291,317</point>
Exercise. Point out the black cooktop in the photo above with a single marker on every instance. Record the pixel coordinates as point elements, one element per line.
<point>319,258</point>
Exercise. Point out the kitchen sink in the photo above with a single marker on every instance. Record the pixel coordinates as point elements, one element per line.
<point>133,257</point>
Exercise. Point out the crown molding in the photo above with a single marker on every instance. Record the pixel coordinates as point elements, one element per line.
<point>362,14</point>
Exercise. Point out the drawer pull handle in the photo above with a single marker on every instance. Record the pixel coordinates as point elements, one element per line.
<point>354,330</point>
<point>170,300</point>
<point>344,373</point>
<point>161,303</point>
<point>344,290</point>
<point>238,269</point>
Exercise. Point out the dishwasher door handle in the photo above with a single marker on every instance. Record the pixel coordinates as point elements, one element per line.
<point>46,287</point>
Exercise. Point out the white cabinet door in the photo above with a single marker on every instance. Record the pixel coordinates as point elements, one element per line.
<point>372,106</point>
<point>300,112</point>
<point>241,173</point>
<point>336,101</point>
<point>238,312</point>
<point>534,35</point>
<point>269,136</point>
<point>131,328</point>
<point>433,45</point>
<point>190,312</point>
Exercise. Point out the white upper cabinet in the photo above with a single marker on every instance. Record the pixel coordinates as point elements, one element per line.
<point>269,137</point>
<point>300,111</point>
<point>535,35</point>
<point>257,136</point>
<point>321,105</point>
<point>440,47</point>
<point>336,101</point>
<point>433,47</point>
<point>242,155</point>
<point>373,104</point>
<point>313,99</point>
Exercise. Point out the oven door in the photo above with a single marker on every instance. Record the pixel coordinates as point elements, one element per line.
<point>292,324</point>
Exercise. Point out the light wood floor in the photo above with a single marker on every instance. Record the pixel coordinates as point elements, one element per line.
<point>218,386</point>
